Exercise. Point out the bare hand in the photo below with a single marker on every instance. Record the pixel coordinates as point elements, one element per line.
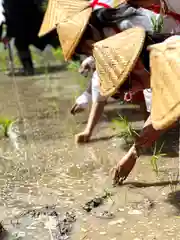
<point>76,108</point>
<point>82,137</point>
<point>87,65</point>
<point>123,168</point>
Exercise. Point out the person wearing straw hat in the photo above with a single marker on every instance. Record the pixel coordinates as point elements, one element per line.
<point>149,134</point>
<point>94,88</point>
<point>115,58</point>
<point>127,15</point>
<point>127,21</point>
<point>82,101</point>
<point>161,117</point>
<point>171,20</point>
<point>165,109</point>
<point>55,14</point>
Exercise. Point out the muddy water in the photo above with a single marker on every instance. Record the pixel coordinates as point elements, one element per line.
<point>47,168</point>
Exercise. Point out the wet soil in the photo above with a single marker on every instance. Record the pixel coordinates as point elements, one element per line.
<point>46,168</point>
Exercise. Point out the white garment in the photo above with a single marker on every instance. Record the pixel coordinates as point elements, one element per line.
<point>96,96</point>
<point>148,99</point>
<point>2,18</point>
<point>141,20</point>
<point>83,100</point>
<point>144,19</point>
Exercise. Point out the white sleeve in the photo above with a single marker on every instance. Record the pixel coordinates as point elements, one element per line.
<point>148,99</point>
<point>125,24</point>
<point>96,96</point>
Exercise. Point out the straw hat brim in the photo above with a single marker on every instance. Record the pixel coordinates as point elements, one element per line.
<point>71,30</point>
<point>57,11</point>
<point>115,58</point>
<point>165,84</point>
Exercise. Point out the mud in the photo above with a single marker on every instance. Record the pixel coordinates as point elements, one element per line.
<point>43,166</point>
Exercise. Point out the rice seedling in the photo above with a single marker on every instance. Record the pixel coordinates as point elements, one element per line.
<point>74,66</point>
<point>58,54</point>
<point>157,23</point>
<point>157,155</point>
<point>4,126</point>
<point>126,130</point>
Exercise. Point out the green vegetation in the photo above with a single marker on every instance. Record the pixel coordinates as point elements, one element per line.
<point>126,131</point>
<point>158,24</point>
<point>4,126</point>
<point>157,155</point>
<point>74,66</point>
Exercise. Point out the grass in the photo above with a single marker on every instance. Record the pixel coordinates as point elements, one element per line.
<point>157,155</point>
<point>74,66</point>
<point>157,23</point>
<point>4,125</point>
<point>125,129</point>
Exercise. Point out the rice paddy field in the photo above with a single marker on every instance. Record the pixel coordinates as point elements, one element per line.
<point>46,179</point>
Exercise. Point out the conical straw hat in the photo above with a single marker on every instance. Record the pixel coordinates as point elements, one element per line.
<point>71,30</point>
<point>57,11</point>
<point>165,84</point>
<point>115,57</point>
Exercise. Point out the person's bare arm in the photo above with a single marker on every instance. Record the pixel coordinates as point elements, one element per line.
<point>97,108</point>
<point>94,116</point>
<point>144,141</point>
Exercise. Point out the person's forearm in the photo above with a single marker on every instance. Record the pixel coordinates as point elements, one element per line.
<point>148,135</point>
<point>94,116</point>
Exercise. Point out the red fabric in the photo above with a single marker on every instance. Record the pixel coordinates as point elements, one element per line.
<point>138,97</point>
<point>156,8</point>
<point>96,2</point>
<point>128,97</point>
<point>116,30</point>
<point>135,98</point>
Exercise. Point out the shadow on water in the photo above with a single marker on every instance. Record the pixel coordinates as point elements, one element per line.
<point>174,199</point>
<point>101,139</point>
<point>153,184</point>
